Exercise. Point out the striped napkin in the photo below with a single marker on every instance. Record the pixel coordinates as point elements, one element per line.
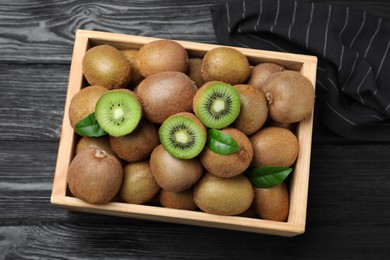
<point>352,46</point>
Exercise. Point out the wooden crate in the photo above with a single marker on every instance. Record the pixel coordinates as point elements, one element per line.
<point>299,178</point>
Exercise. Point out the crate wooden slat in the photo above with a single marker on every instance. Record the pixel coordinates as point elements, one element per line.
<point>298,189</point>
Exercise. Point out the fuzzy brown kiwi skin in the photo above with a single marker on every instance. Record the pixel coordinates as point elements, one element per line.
<point>272,203</point>
<point>137,145</point>
<point>194,71</point>
<point>223,196</point>
<point>94,176</point>
<point>290,96</point>
<point>162,55</point>
<point>225,64</point>
<point>136,77</point>
<point>173,174</point>
<point>165,94</point>
<point>102,143</point>
<point>274,146</point>
<point>261,72</point>
<point>84,102</point>
<point>231,165</point>
<point>178,200</point>
<point>116,72</point>
<point>139,185</point>
<point>254,109</point>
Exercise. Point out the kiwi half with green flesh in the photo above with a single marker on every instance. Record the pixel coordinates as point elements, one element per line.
<point>290,96</point>
<point>165,94</point>
<point>174,174</point>
<point>183,135</point>
<point>254,109</point>
<point>106,66</point>
<point>217,104</point>
<point>230,165</point>
<point>225,64</point>
<point>84,102</point>
<point>118,112</point>
<point>137,145</point>
<point>162,55</point>
<point>261,72</point>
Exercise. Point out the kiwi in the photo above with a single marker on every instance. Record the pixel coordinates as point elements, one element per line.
<point>223,196</point>
<point>161,55</point>
<point>290,96</point>
<point>138,145</point>
<point>174,174</point>
<point>84,102</point>
<point>261,72</point>
<point>225,64</point>
<point>106,66</point>
<point>183,135</point>
<point>228,166</point>
<point>165,94</point>
<point>94,176</point>
<point>254,109</point>
<point>178,200</point>
<point>272,203</point>
<point>194,71</point>
<point>274,146</point>
<point>102,143</point>
<point>118,112</point>
<point>136,77</point>
<point>138,185</point>
<point>217,104</point>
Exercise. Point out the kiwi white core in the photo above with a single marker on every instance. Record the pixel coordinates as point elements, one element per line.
<point>181,137</point>
<point>218,105</point>
<point>118,113</point>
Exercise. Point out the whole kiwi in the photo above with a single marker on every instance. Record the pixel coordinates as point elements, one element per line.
<point>272,203</point>
<point>137,145</point>
<point>136,77</point>
<point>106,66</point>
<point>225,64</point>
<point>229,165</point>
<point>165,94</point>
<point>223,196</point>
<point>84,102</point>
<point>174,174</point>
<point>138,185</point>
<point>274,146</point>
<point>261,72</point>
<point>194,71</point>
<point>178,200</point>
<point>290,96</point>
<point>254,109</point>
<point>94,176</point>
<point>162,55</point>
<point>101,143</point>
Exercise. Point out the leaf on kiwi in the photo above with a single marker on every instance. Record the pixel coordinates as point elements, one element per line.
<point>221,143</point>
<point>268,176</point>
<point>89,126</point>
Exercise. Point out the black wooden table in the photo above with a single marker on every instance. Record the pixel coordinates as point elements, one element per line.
<point>348,213</point>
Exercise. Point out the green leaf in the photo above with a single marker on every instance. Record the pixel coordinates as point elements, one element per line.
<point>268,176</point>
<point>221,143</point>
<point>89,126</point>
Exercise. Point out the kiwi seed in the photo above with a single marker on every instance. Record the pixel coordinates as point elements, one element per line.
<point>217,104</point>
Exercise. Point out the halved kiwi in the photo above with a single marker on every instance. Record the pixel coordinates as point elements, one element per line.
<point>118,112</point>
<point>217,104</point>
<point>183,135</point>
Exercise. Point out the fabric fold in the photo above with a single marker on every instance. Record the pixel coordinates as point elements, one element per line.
<point>352,47</point>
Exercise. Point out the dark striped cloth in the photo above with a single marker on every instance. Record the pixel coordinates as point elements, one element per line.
<point>352,45</point>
